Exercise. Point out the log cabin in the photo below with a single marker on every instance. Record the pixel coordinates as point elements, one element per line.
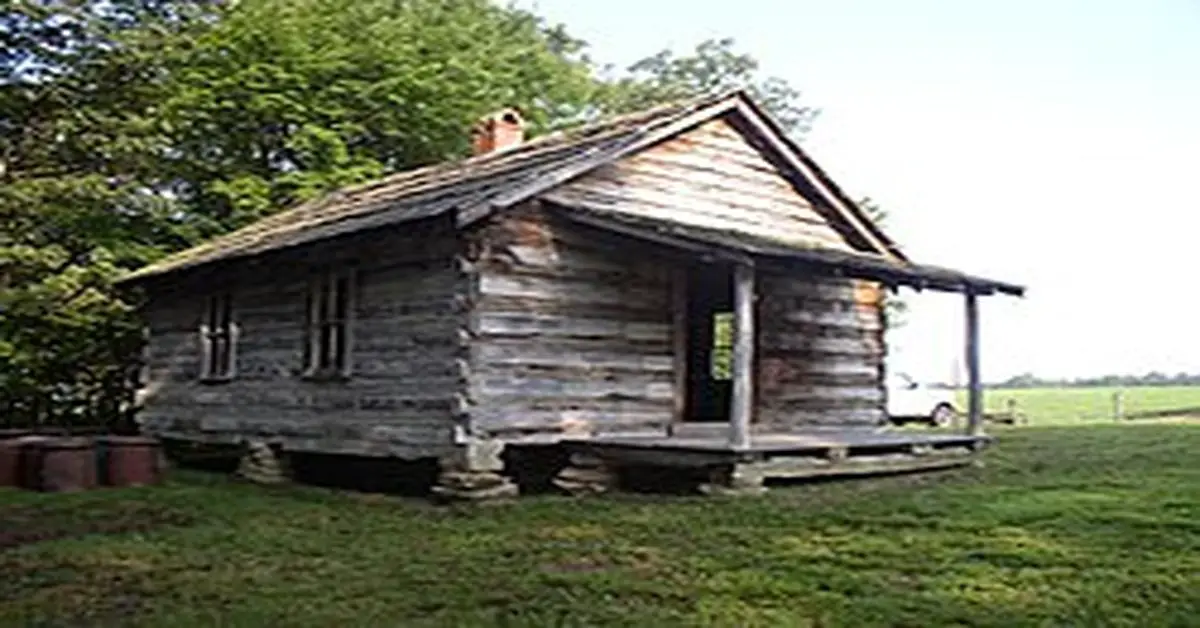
<point>680,287</point>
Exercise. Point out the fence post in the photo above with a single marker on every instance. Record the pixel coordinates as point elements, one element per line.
<point>1118,407</point>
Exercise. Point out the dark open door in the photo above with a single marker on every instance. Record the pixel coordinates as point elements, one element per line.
<point>709,342</point>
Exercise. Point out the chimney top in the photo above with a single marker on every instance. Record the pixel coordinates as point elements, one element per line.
<point>498,131</point>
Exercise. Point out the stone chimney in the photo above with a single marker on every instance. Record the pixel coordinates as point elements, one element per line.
<point>499,131</point>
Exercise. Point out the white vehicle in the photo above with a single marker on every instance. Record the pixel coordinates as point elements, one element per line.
<point>909,401</point>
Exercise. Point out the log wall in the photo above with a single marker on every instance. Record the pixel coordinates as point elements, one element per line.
<point>820,352</point>
<point>569,335</point>
<point>401,397</point>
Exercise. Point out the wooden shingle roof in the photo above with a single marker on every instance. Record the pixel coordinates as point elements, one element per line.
<point>471,189</point>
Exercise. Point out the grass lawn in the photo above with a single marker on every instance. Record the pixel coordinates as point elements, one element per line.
<point>1063,526</point>
<point>1064,406</point>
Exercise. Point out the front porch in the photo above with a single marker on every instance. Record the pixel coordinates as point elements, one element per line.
<point>720,429</point>
<point>798,453</point>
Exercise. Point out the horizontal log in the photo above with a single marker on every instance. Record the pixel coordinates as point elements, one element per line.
<point>571,422</point>
<point>412,448</point>
<point>564,259</point>
<point>356,393</point>
<point>781,418</point>
<point>518,325</point>
<point>576,291</point>
<point>630,311</point>
<point>801,290</point>
<point>865,318</point>
<point>772,381</point>
<point>816,394</point>
<point>847,332</point>
<point>489,355</point>
<point>832,365</point>
<point>635,280</point>
<point>807,406</point>
<point>380,287</point>
<point>485,386</point>
<point>867,345</point>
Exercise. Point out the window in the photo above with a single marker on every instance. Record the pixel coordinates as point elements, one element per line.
<point>218,339</point>
<point>330,312</point>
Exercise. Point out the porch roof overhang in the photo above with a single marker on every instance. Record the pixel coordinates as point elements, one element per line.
<point>739,247</point>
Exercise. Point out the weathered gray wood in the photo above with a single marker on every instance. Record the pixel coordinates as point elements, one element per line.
<point>819,357</point>
<point>804,467</point>
<point>974,383</point>
<point>786,154</point>
<point>566,336</point>
<point>583,164</point>
<point>502,421</point>
<point>742,399</point>
<point>399,399</point>
<point>516,324</point>
<point>679,341</point>
<point>576,356</point>
<point>710,177</point>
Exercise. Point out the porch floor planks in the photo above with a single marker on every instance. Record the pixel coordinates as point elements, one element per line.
<point>815,442</point>
<point>797,453</point>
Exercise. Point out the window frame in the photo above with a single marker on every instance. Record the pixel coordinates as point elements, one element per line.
<point>329,313</point>
<point>218,337</point>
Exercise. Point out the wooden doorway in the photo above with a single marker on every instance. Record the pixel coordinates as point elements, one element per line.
<point>708,329</point>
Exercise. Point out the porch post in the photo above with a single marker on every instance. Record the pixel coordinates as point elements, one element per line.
<point>742,405</point>
<point>974,385</point>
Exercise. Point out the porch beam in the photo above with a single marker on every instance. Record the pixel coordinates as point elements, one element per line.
<point>974,384</point>
<point>742,403</point>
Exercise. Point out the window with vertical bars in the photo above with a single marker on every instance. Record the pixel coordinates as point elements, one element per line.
<point>218,339</point>
<point>328,327</point>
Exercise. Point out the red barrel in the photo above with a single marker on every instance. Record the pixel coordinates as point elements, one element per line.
<point>59,465</point>
<point>131,461</point>
<point>10,461</point>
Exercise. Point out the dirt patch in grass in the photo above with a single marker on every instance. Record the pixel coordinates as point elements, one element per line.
<point>32,524</point>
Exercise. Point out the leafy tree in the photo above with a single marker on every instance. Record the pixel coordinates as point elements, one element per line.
<point>79,82</point>
<point>284,100</point>
<point>712,66</point>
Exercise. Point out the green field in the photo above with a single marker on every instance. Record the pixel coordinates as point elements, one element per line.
<point>1093,525</point>
<point>1059,406</point>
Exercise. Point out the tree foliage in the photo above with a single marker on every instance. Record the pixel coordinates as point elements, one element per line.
<point>713,66</point>
<point>78,151</point>
<point>1152,378</point>
<point>281,101</point>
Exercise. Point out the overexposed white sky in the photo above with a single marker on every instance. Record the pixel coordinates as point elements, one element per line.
<point>1053,143</point>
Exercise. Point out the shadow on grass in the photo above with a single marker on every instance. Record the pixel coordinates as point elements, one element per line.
<point>23,525</point>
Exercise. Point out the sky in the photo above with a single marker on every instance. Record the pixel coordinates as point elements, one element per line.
<point>1052,143</point>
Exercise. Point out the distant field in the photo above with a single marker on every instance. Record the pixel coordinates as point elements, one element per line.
<point>1057,406</point>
